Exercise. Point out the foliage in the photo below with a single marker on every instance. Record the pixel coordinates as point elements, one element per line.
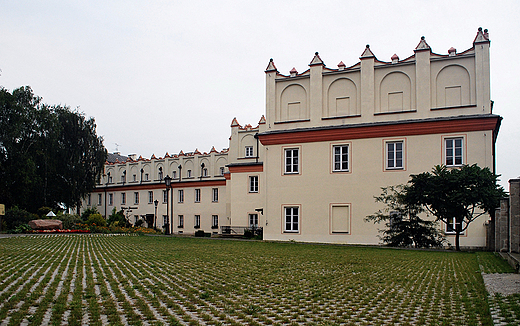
<point>22,228</point>
<point>139,223</point>
<point>97,220</point>
<point>49,155</point>
<point>462,194</point>
<point>69,220</point>
<point>43,211</point>
<point>117,218</point>
<point>15,217</point>
<point>404,227</point>
<point>89,211</point>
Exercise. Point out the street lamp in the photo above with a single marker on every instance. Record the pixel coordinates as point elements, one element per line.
<point>156,202</point>
<point>168,184</point>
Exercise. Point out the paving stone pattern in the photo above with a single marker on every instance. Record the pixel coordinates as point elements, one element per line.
<point>132,280</point>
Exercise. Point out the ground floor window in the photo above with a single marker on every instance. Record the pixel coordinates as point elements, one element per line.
<point>253,220</point>
<point>292,219</point>
<point>197,222</point>
<point>181,221</point>
<point>451,226</point>
<point>214,221</point>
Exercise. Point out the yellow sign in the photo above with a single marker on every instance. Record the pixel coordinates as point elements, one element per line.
<point>2,209</point>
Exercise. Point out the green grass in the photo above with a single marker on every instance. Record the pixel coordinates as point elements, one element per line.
<point>104,279</point>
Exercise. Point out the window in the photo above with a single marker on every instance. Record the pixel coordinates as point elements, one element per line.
<point>215,195</point>
<point>253,220</point>
<point>134,177</point>
<point>181,196</point>
<point>181,221</point>
<point>174,175</point>
<point>197,195</point>
<point>221,170</point>
<point>451,226</point>
<point>123,198</point>
<point>160,175</point>
<point>89,201</point>
<point>188,173</point>
<point>454,151</point>
<point>136,198</point>
<point>109,178</point>
<point>123,178</point>
<point>205,172</point>
<point>99,200</point>
<point>291,160</point>
<point>340,161</point>
<point>340,218</point>
<point>291,219</point>
<point>150,197</point>
<point>110,199</point>
<point>249,151</point>
<point>394,155</point>
<point>253,183</point>
<point>214,221</point>
<point>164,196</point>
<point>146,177</point>
<point>197,222</point>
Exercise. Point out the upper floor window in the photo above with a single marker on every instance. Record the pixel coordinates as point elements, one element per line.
<point>205,172</point>
<point>109,178</point>
<point>174,175</point>
<point>123,178</point>
<point>164,196</point>
<point>221,170</point>
<point>454,151</point>
<point>146,177</point>
<point>197,195</point>
<point>160,175</point>
<point>341,158</point>
<point>89,200</point>
<point>99,200</point>
<point>110,199</point>
<point>123,198</point>
<point>150,197</point>
<point>249,151</point>
<point>134,177</point>
<point>136,198</point>
<point>394,155</point>
<point>291,160</point>
<point>253,183</point>
<point>291,219</point>
<point>188,173</point>
<point>215,195</point>
<point>181,196</point>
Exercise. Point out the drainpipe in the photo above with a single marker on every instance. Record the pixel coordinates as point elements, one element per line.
<point>256,136</point>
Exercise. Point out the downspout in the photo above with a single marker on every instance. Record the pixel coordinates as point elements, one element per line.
<point>256,136</point>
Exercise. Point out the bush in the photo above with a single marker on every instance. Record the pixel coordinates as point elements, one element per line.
<point>117,218</point>
<point>22,228</point>
<point>69,220</point>
<point>97,220</point>
<point>43,211</point>
<point>86,213</point>
<point>139,223</point>
<point>199,233</point>
<point>15,217</point>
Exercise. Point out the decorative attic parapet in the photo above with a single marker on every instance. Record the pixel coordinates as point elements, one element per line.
<point>271,67</point>
<point>316,60</point>
<point>367,53</point>
<point>262,120</point>
<point>422,46</point>
<point>235,123</point>
<point>482,36</point>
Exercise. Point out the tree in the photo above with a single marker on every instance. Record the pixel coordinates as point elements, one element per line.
<point>404,227</point>
<point>456,196</point>
<point>49,155</point>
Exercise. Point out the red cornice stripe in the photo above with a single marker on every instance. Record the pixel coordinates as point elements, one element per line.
<point>394,130</point>
<point>246,168</point>
<point>189,184</point>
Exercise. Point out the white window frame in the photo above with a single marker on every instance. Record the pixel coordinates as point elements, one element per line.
<point>291,160</point>
<point>392,153</point>
<point>174,174</point>
<point>150,197</point>
<point>197,222</point>
<point>188,174</point>
<point>99,200</point>
<point>451,226</point>
<point>215,195</point>
<point>450,145</point>
<point>249,151</point>
<point>205,172</point>
<point>222,170</point>
<point>123,198</point>
<point>110,199</point>
<point>136,198</point>
<point>291,219</point>
<point>214,221</point>
<point>181,195</point>
<point>146,177</point>
<point>181,221</point>
<point>253,220</point>
<point>253,184</point>
<point>197,195</point>
<point>339,160</point>
<point>164,196</point>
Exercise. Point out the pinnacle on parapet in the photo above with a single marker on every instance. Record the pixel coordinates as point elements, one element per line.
<point>316,60</point>
<point>262,120</point>
<point>452,51</point>
<point>271,67</point>
<point>482,36</point>
<point>235,123</point>
<point>367,53</point>
<point>341,65</point>
<point>395,58</point>
<point>293,72</point>
<point>422,45</point>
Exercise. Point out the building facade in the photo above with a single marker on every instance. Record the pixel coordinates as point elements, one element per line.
<point>330,139</point>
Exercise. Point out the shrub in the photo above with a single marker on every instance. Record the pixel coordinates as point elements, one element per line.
<point>15,217</point>
<point>43,211</point>
<point>139,223</point>
<point>69,220</point>
<point>22,228</point>
<point>117,218</point>
<point>86,213</point>
<point>97,220</point>
<point>199,233</point>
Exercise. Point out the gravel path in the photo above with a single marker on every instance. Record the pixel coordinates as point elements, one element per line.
<point>505,283</point>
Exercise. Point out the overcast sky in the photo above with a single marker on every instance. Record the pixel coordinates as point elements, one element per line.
<point>161,76</point>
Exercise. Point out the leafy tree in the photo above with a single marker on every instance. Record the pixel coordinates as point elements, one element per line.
<point>404,227</point>
<point>455,194</point>
<point>49,155</point>
<point>117,218</point>
<point>89,211</point>
<point>96,219</point>
<point>14,217</point>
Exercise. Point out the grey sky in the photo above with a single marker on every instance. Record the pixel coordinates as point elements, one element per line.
<point>161,76</point>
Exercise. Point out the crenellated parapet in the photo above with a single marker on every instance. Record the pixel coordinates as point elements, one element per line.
<point>423,85</point>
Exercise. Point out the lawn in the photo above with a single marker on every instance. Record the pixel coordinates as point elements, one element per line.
<point>129,279</point>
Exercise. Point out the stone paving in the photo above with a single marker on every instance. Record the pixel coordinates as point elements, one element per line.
<point>130,280</point>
